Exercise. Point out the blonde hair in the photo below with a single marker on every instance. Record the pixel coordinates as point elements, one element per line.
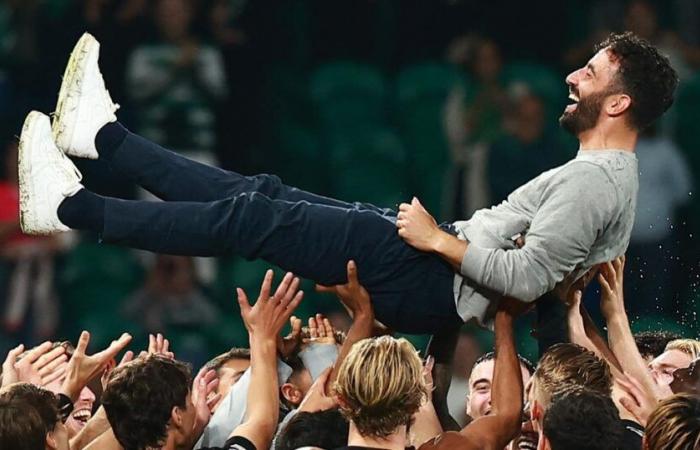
<point>690,347</point>
<point>674,424</point>
<point>566,365</point>
<point>380,385</point>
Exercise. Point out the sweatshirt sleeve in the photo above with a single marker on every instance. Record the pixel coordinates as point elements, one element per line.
<point>575,207</point>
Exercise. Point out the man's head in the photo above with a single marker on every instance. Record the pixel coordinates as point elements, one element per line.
<point>627,83</point>
<point>653,343</point>
<point>687,380</point>
<point>148,401</point>
<point>380,385</point>
<point>480,381</point>
<point>674,424</point>
<point>580,419</point>
<point>324,429</point>
<point>293,391</point>
<point>82,409</point>
<point>560,368</point>
<point>678,355</point>
<point>229,368</point>
<point>30,419</point>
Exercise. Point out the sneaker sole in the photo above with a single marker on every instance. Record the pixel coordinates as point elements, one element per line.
<point>27,208</point>
<point>68,96</point>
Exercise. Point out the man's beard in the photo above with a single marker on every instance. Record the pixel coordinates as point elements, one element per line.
<point>586,114</point>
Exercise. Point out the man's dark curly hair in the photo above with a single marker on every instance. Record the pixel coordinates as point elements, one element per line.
<point>324,429</point>
<point>27,414</point>
<point>653,343</point>
<point>644,74</point>
<point>580,419</point>
<point>140,396</point>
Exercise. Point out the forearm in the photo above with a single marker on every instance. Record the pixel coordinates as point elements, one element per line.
<point>450,248</point>
<point>442,348</point>
<point>507,390</point>
<point>599,343</point>
<point>625,349</point>
<point>94,428</point>
<point>426,424</point>
<point>262,407</point>
<point>361,328</point>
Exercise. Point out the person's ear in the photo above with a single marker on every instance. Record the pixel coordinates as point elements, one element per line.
<point>51,442</point>
<point>536,415</point>
<point>618,104</point>
<point>543,442</point>
<point>291,393</point>
<point>176,417</point>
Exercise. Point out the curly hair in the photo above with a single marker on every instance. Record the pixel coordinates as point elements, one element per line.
<point>674,424</point>
<point>644,74</point>
<point>27,414</point>
<point>139,398</point>
<point>580,419</point>
<point>566,365</point>
<point>653,343</point>
<point>380,385</point>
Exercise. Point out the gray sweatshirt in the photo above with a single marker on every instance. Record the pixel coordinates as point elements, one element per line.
<point>573,217</point>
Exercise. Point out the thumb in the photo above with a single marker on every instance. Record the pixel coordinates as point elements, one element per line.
<point>415,201</point>
<point>352,272</point>
<point>630,405</point>
<point>328,289</point>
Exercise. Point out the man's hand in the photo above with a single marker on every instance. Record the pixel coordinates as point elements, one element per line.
<point>636,402</point>
<point>417,227</point>
<point>611,296</point>
<point>159,345</point>
<point>269,314</point>
<point>321,331</point>
<point>39,366</point>
<point>317,398</point>
<point>290,344</point>
<point>204,398</point>
<point>352,294</point>
<point>83,368</point>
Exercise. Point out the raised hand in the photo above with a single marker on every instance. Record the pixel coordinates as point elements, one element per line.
<point>636,401</point>
<point>611,283</point>
<point>291,343</point>
<point>82,367</point>
<point>318,398</point>
<point>159,345</point>
<point>321,330</point>
<point>353,295</point>
<point>417,227</point>
<point>269,314</point>
<point>204,398</point>
<point>37,367</point>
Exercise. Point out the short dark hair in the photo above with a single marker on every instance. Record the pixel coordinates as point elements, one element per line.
<point>644,74</point>
<point>491,356</point>
<point>325,429</point>
<point>234,353</point>
<point>580,419</point>
<point>27,414</point>
<point>140,396</point>
<point>653,343</point>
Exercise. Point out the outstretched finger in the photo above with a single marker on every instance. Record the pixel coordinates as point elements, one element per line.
<point>83,342</point>
<point>12,355</point>
<point>114,348</point>
<point>266,286</point>
<point>49,357</point>
<point>604,284</point>
<point>283,286</point>
<point>330,331</point>
<point>128,356</point>
<point>352,272</point>
<point>37,352</point>
<point>51,366</point>
<point>313,328</point>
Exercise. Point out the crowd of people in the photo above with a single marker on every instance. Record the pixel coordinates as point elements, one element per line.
<point>364,389</point>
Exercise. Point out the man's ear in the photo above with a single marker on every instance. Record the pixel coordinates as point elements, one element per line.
<point>618,104</point>
<point>51,441</point>
<point>291,393</point>
<point>176,417</point>
<point>536,415</point>
<point>543,442</point>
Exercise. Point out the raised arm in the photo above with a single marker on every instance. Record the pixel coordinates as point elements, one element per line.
<point>264,322</point>
<point>568,221</point>
<point>493,432</point>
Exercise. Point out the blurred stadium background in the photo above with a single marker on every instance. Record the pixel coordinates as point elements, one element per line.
<point>454,101</point>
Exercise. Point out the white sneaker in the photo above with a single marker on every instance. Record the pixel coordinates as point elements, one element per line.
<point>84,104</point>
<point>46,177</point>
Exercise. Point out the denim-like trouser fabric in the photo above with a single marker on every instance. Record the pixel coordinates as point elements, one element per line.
<point>210,212</point>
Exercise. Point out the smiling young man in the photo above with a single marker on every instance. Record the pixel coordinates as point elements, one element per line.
<point>427,278</point>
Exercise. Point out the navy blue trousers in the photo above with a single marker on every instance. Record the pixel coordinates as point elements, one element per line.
<point>212,212</point>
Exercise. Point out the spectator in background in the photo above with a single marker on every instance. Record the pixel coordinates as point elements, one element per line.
<point>177,82</point>
<point>664,186</point>
<point>528,145</point>
<point>30,309</point>
<point>172,302</point>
